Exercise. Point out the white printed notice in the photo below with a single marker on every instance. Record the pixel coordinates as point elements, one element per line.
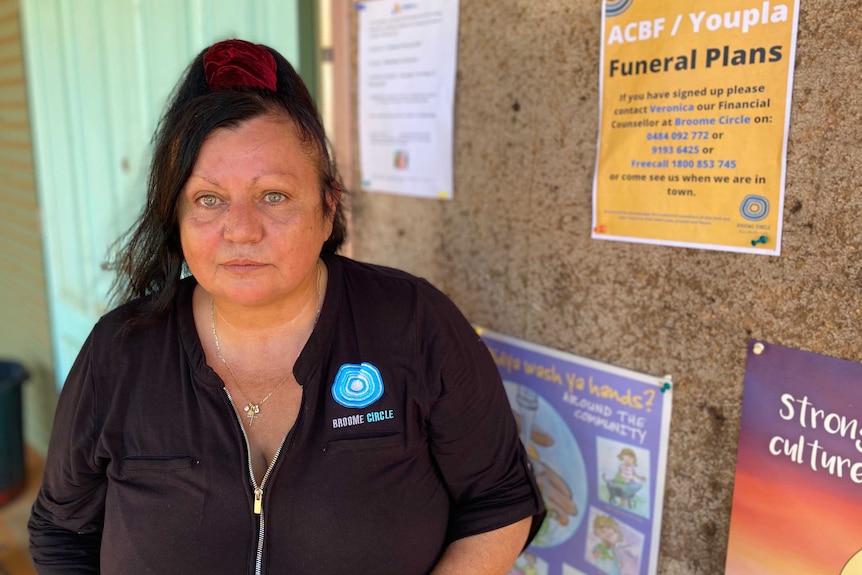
<point>407,61</point>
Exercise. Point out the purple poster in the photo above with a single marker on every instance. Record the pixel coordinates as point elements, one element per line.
<point>797,494</point>
<point>597,438</point>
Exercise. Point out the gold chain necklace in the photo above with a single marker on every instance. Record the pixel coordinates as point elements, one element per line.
<point>252,409</point>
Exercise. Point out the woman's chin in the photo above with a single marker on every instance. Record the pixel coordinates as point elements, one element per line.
<point>249,295</point>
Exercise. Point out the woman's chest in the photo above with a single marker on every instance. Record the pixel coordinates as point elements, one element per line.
<point>180,463</point>
<point>266,426</point>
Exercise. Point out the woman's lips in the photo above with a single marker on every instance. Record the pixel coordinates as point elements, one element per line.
<point>243,266</point>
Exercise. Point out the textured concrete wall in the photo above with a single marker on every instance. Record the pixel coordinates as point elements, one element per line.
<point>513,249</point>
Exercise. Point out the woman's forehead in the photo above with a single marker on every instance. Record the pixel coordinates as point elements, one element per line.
<point>270,123</point>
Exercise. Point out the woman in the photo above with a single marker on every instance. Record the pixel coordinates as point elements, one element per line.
<point>282,409</point>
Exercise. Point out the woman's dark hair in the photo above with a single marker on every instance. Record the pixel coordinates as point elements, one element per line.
<point>150,259</point>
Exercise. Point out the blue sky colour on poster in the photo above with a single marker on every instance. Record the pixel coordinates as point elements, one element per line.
<point>597,438</point>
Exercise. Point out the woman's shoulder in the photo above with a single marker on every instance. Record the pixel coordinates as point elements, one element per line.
<point>364,270</point>
<point>378,287</point>
<point>380,279</point>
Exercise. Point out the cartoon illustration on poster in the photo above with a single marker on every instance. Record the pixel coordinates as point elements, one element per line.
<point>797,494</point>
<point>597,438</point>
<point>694,116</point>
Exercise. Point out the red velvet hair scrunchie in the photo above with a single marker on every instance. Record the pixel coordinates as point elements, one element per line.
<point>239,64</point>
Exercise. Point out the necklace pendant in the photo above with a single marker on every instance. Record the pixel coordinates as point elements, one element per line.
<point>251,412</point>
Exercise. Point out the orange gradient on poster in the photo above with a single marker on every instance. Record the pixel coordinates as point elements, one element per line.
<point>797,497</point>
<point>793,528</point>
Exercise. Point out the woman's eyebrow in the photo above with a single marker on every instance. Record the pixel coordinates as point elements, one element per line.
<point>204,178</point>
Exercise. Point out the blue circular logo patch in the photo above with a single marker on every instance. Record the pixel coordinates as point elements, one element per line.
<point>357,386</point>
<point>754,208</point>
<point>616,7</point>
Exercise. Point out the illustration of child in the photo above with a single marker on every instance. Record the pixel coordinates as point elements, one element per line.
<point>627,476</point>
<point>605,554</point>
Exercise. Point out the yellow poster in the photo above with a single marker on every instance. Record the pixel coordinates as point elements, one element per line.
<point>695,105</point>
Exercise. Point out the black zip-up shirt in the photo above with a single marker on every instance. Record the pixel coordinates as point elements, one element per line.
<point>404,442</point>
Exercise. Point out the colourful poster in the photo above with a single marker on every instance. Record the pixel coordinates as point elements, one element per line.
<point>597,439</point>
<point>797,497</point>
<point>407,61</point>
<point>694,114</point>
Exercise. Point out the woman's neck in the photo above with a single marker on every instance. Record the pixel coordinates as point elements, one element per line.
<point>287,318</point>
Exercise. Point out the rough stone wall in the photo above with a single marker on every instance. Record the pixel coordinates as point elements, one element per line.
<point>513,248</point>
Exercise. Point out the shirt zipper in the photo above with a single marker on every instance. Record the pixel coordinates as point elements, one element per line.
<point>257,491</point>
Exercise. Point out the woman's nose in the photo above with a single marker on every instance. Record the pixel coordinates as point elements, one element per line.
<point>243,223</point>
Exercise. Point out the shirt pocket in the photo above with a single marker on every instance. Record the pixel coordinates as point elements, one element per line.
<point>133,464</point>
<point>391,441</point>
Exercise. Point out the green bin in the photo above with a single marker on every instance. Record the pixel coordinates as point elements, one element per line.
<point>12,478</point>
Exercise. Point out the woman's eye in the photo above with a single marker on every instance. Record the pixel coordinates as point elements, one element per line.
<point>273,197</point>
<point>208,201</point>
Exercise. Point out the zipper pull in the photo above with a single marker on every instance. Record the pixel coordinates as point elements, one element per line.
<point>258,500</point>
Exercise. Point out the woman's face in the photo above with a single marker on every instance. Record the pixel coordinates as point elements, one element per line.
<point>250,215</point>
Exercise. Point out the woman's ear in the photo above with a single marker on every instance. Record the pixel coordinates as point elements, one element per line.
<point>333,198</point>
